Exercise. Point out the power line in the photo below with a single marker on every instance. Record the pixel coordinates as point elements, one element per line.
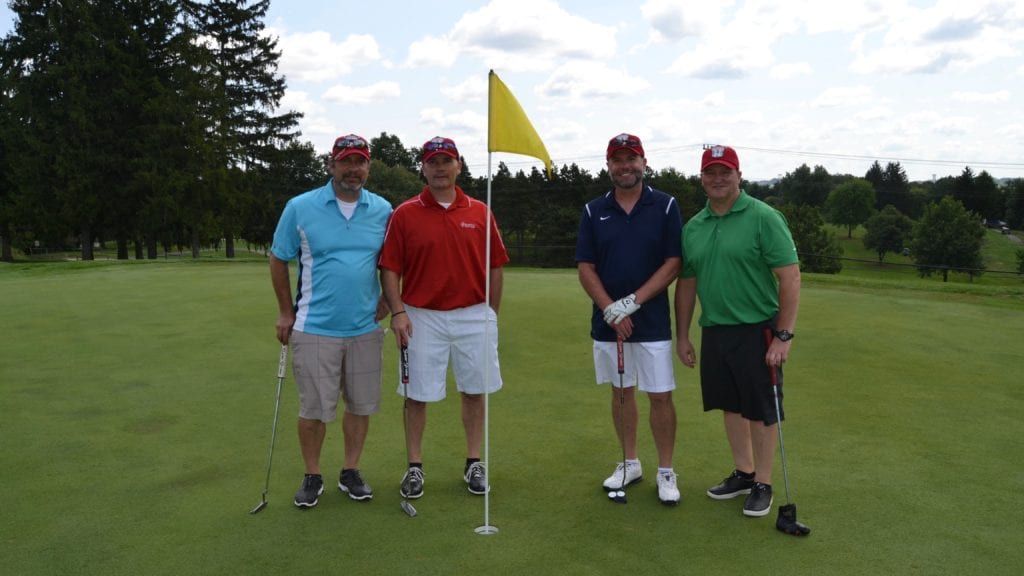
<point>579,160</point>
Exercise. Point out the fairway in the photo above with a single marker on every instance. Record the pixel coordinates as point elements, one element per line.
<point>138,397</point>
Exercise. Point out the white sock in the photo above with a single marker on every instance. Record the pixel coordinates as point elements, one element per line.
<point>664,470</point>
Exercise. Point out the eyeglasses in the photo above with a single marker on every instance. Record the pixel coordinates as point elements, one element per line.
<point>350,142</point>
<point>439,144</point>
<point>626,140</point>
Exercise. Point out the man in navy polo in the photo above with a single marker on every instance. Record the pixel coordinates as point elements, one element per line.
<point>628,253</point>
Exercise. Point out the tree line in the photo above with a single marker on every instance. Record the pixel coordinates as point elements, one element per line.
<point>155,124</point>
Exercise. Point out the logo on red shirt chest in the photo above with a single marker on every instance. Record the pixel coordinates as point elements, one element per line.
<point>468,225</point>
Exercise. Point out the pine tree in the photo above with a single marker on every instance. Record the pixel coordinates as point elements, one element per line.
<point>242,65</point>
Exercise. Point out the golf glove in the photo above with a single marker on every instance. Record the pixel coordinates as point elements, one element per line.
<point>618,310</point>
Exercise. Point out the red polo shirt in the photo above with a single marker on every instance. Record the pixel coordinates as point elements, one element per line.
<point>439,253</point>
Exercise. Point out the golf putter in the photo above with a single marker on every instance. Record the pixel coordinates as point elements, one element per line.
<point>281,365</point>
<point>786,521</point>
<point>620,494</point>
<point>404,353</point>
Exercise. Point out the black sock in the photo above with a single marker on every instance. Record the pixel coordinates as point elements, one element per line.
<point>746,475</point>
<point>470,462</point>
<point>416,465</point>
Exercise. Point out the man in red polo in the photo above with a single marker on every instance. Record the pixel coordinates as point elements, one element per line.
<point>432,271</point>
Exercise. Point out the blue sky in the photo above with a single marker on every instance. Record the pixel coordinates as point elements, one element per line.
<point>935,85</point>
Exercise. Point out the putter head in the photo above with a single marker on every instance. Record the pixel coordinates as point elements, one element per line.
<point>408,509</point>
<point>260,506</point>
<point>787,522</point>
<point>618,496</point>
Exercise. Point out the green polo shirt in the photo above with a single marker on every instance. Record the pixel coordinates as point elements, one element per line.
<point>732,257</point>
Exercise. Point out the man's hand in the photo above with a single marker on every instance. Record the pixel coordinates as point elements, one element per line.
<point>618,310</point>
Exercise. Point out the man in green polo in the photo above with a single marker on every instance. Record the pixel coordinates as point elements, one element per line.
<point>739,258</point>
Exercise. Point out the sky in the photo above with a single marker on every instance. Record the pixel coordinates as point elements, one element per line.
<point>934,85</point>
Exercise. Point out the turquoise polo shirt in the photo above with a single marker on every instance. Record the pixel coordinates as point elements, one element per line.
<point>732,257</point>
<point>337,287</point>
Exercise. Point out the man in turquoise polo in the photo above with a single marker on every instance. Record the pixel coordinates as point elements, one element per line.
<point>739,258</point>
<point>336,233</point>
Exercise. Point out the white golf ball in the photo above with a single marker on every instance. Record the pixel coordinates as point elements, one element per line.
<point>611,495</point>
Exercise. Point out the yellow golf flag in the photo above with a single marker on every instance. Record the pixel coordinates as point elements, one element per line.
<point>508,128</point>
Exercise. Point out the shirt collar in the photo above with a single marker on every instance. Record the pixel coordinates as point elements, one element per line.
<point>645,196</point>
<point>326,194</point>
<point>461,199</point>
<point>741,204</point>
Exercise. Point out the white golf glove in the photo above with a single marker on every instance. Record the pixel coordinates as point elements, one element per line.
<point>618,310</point>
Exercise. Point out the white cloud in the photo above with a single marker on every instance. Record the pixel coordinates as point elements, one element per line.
<point>790,70</point>
<point>843,96</point>
<point>946,35</point>
<point>673,20</point>
<point>347,95</point>
<point>981,97</point>
<point>517,35</point>
<point>431,51</point>
<point>874,114</point>
<point>315,57</point>
<point>582,81</point>
<point>472,89</point>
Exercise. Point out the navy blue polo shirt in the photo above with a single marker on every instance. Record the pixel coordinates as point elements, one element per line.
<point>627,250</point>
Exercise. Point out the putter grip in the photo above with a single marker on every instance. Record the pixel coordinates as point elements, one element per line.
<point>283,362</point>
<point>618,350</point>
<point>405,364</point>
<point>772,372</point>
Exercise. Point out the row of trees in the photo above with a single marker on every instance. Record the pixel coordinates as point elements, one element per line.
<point>154,123</point>
<point>139,121</point>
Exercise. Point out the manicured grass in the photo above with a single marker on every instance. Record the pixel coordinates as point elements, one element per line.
<point>998,253</point>
<point>137,405</point>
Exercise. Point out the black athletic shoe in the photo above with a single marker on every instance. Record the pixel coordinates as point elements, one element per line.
<point>310,491</point>
<point>412,483</point>
<point>476,477</point>
<point>351,482</point>
<point>759,501</point>
<point>732,486</point>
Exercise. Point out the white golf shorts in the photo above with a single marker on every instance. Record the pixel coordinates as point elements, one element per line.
<point>649,363</point>
<point>457,336</point>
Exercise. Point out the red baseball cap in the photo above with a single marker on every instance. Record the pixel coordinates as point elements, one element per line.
<point>723,155</point>
<point>438,145</point>
<point>625,142</point>
<point>350,144</point>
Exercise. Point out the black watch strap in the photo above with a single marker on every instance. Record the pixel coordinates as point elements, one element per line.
<point>784,335</point>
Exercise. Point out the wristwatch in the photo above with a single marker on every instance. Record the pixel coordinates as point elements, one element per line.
<point>784,335</point>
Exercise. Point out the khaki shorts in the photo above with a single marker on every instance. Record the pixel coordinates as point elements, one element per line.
<point>326,367</point>
<point>646,363</point>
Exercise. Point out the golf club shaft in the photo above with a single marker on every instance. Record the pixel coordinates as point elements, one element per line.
<point>404,372</point>
<point>622,406</point>
<point>774,374</point>
<point>281,367</point>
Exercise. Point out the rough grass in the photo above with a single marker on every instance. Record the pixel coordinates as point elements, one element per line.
<point>138,402</point>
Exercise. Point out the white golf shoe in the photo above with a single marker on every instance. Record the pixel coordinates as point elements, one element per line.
<point>634,473</point>
<point>667,491</point>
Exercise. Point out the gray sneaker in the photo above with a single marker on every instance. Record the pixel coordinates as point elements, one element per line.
<point>476,477</point>
<point>351,482</point>
<point>412,483</point>
<point>759,501</point>
<point>309,493</point>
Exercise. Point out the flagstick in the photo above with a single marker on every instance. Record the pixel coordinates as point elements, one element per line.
<point>486,528</point>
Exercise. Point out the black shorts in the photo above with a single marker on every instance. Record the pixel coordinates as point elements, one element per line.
<point>733,374</point>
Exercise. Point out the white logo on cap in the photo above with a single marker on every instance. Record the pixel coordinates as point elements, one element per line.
<point>717,151</point>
